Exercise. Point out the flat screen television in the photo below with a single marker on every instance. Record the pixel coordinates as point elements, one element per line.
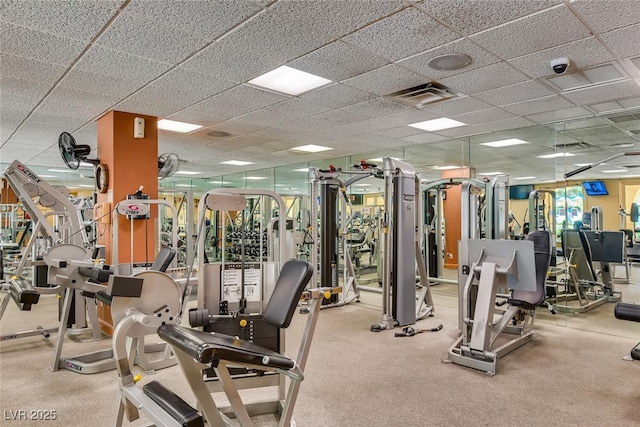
<point>595,188</point>
<point>519,192</point>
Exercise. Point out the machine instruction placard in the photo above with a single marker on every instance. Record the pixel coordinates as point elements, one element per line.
<point>232,281</point>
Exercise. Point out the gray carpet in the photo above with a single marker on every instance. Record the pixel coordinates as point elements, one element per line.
<point>354,377</point>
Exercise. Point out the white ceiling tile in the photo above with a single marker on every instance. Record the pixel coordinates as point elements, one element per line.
<point>484,79</point>
<point>375,107</point>
<point>630,103</point>
<point>59,119</point>
<point>483,116</point>
<point>89,82</point>
<point>401,35</point>
<point>338,61</point>
<point>533,33</point>
<point>337,95</point>
<point>320,121</point>
<point>413,115</point>
<point>533,106</point>
<point>480,58</point>
<point>237,101</point>
<point>286,111</point>
<point>456,106</point>
<point>557,115</point>
<point>603,93</point>
<point>19,41</point>
<point>199,86</point>
<point>276,133</point>
<point>236,126</point>
<point>624,42</point>
<point>472,16</point>
<point>80,20</point>
<point>119,65</point>
<point>260,45</point>
<point>336,17</point>
<point>401,132</point>
<point>165,98</point>
<point>605,16</point>
<point>514,93</point>
<point>206,19</point>
<point>20,94</point>
<point>43,73</point>
<point>9,121</point>
<point>485,127</point>
<point>150,39</point>
<point>424,138</point>
<point>386,80</point>
<point>582,53</point>
<point>137,105</point>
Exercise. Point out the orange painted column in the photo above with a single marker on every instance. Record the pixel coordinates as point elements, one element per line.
<point>452,212</point>
<point>131,163</point>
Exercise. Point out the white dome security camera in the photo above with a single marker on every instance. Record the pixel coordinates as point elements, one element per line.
<point>560,65</point>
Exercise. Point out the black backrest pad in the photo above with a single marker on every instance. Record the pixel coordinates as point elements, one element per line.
<point>164,258</point>
<point>293,278</point>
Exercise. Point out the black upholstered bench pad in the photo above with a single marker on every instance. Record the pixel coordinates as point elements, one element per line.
<point>206,347</point>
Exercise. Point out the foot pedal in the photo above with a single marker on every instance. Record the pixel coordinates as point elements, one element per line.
<point>173,404</point>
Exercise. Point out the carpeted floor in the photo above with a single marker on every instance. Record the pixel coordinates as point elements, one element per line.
<point>568,375</point>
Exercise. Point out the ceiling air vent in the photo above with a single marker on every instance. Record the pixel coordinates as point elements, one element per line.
<point>425,94</point>
<point>575,145</point>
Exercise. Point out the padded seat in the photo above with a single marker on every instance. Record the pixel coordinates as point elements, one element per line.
<point>208,348</point>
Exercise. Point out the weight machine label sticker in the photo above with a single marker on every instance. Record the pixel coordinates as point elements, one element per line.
<point>232,280</point>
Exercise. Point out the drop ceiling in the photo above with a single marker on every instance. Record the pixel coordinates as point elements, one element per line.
<point>64,64</point>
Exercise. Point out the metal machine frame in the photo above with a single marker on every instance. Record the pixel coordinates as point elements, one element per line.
<point>402,249</point>
<point>499,264</point>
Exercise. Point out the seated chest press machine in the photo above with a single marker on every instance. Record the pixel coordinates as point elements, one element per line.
<point>520,266</point>
<point>197,349</point>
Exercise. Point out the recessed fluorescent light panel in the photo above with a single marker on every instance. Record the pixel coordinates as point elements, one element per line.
<point>174,126</point>
<point>184,185</point>
<point>504,143</point>
<point>554,155</point>
<point>289,80</point>
<point>254,178</point>
<point>437,124</point>
<point>187,173</point>
<point>301,170</point>
<point>311,148</point>
<point>61,170</point>
<point>47,176</point>
<point>85,186</point>
<point>615,171</point>
<point>237,163</point>
<point>524,177</point>
<point>444,168</point>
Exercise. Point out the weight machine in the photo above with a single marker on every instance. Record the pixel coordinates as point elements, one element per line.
<point>65,228</point>
<point>218,352</point>
<point>484,215</point>
<point>332,214</point>
<point>519,265</point>
<point>401,249</point>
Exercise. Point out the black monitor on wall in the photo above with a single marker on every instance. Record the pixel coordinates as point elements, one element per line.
<point>595,188</point>
<point>519,192</point>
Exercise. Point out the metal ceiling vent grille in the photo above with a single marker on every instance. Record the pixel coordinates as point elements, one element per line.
<point>425,94</point>
<point>575,146</point>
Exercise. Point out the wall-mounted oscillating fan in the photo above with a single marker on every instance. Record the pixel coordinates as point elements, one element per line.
<point>72,153</point>
<point>167,165</point>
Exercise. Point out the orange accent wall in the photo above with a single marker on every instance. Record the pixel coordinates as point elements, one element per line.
<point>131,163</point>
<point>452,212</point>
<point>7,196</point>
